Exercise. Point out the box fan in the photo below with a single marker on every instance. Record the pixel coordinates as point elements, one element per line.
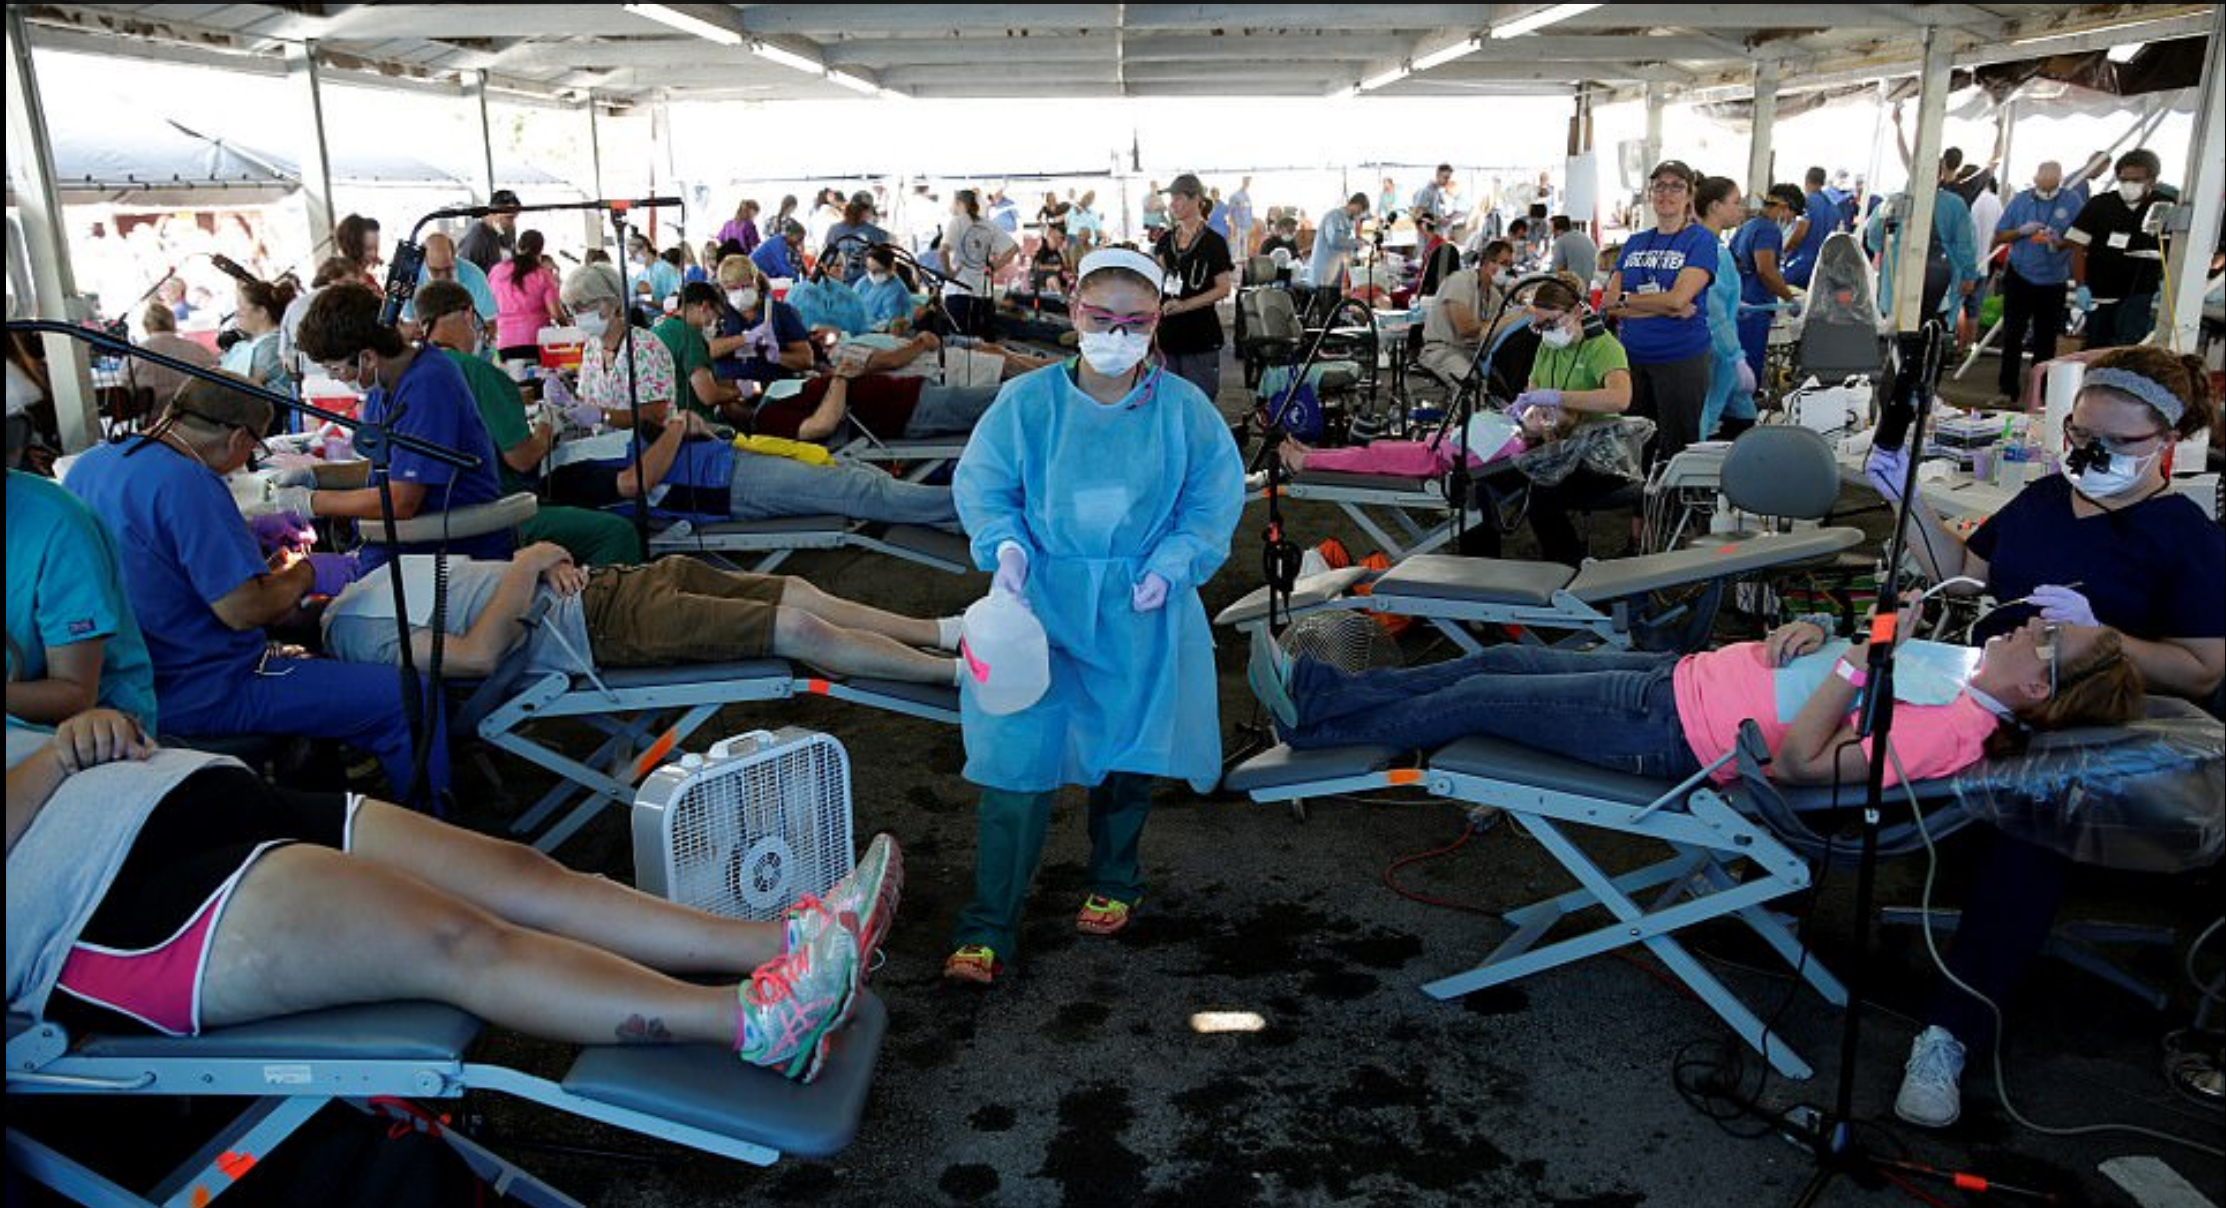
<point>744,830</point>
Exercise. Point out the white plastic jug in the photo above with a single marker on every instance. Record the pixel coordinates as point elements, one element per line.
<point>1005,657</point>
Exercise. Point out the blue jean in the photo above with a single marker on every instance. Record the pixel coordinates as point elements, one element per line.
<point>1611,710</point>
<point>768,487</point>
<point>358,703</point>
<point>948,410</point>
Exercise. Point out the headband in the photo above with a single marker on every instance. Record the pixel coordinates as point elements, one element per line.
<point>2140,386</point>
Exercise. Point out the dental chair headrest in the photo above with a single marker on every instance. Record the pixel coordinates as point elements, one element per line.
<point>1782,470</point>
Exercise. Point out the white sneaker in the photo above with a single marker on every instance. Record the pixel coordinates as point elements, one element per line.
<point>1931,1093</point>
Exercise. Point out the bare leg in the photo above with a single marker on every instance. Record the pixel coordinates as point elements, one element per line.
<point>522,886</point>
<point>800,635</point>
<point>848,614</point>
<point>309,927</point>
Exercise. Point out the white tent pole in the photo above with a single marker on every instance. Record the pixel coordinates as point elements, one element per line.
<point>1764,124</point>
<point>2191,250</point>
<point>591,222</point>
<point>53,283</point>
<point>303,80</point>
<point>1924,181</point>
<point>483,178</point>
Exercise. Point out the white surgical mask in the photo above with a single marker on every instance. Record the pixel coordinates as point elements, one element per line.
<point>1557,336</point>
<point>742,299</point>
<point>591,322</point>
<point>2121,473</point>
<point>878,278</point>
<point>2045,194</point>
<point>2133,191</point>
<point>1114,352</point>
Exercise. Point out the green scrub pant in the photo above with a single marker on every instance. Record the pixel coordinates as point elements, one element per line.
<point>1012,827</point>
<point>592,538</point>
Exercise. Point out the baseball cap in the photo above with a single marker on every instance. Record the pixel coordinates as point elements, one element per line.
<point>1186,184</point>
<point>1122,258</point>
<point>503,197</point>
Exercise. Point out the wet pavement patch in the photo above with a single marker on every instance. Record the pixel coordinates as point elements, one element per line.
<point>1087,1158</point>
<point>969,1182</point>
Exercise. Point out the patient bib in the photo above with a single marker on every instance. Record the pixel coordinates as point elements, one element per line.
<point>1925,673</point>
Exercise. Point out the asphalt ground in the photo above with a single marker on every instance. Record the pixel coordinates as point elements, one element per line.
<point>1079,1081</point>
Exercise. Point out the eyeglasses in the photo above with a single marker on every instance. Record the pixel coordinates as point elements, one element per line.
<point>2047,649</point>
<point>2130,446</point>
<point>1108,320</point>
<point>1667,187</point>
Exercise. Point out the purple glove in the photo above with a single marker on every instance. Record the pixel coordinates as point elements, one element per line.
<point>333,573</point>
<point>280,530</point>
<point>763,344</point>
<point>1886,470</point>
<point>1012,571</point>
<point>1149,594</point>
<point>2063,605</point>
<point>1543,400</point>
<point>583,414</point>
<point>1743,379</point>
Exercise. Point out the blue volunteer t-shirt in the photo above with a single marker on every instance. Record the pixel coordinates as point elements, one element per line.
<point>182,547</point>
<point>1650,264</point>
<point>64,587</point>
<point>772,258</point>
<point>436,405</point>
<point>2036,263</point>
<point>1757,234</point>
<point>2155,570</point>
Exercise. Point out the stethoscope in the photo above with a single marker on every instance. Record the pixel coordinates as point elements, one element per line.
<point>1185,281</point>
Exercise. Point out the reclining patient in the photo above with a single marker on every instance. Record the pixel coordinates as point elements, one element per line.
<point>887,406</point>
<point>674,610</point>
<point>1666,716</point>
<point>690,473</point>
<point>171,891</point>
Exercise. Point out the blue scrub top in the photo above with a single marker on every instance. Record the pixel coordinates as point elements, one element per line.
<point>885,303</point>
<point>1650,264</point>
<point>1333,239</point>
<point>65,587</point>
<point>1824,218</point>
<point>772,259</point>
<point>1757,234</point>
<point>2039,265</point>
<point>182,547</point>
<point>788,327</point>
<point>437,405</point>
<point>2155,570</point>
<point>474,280</point>
<point>1097,496</point>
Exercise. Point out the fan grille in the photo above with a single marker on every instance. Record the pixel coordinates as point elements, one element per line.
<point>750,836</point>
<point>1348,641</point>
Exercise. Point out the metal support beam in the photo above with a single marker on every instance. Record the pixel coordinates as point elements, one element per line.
<point>1654,102</point>
<point>304,82</point>
<point>1765,124</point>
<point>591,222</point>
<point>2191,251</point>
<point>53,284</point>
<point>483,176</point>
<point>1924,181</point>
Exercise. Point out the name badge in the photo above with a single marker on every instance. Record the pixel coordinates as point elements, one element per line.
<point>2119,240</point>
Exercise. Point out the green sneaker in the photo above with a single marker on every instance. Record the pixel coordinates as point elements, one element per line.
<point>793,1004</point>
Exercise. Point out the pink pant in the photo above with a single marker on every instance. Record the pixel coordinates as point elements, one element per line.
<point>1406,458</point>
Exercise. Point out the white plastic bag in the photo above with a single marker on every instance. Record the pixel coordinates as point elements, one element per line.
<point>1005,657</point>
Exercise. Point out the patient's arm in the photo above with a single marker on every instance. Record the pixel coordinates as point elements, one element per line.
<point>1820,746</point>
<point>91,738</point>
<point>834,407</point>
<point>479,651</point>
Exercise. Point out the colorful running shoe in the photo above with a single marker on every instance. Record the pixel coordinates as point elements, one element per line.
<point>793,1004</point>
<point>865,899</point>
<point>1102,915</point>
<point>975,963</point>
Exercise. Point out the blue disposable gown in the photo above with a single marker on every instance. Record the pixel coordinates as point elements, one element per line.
<point>1098,496</point>
<point>1725,399</point>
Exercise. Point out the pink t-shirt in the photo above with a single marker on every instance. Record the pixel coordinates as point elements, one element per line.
<point>521,309</point>
<point>1718,689</point>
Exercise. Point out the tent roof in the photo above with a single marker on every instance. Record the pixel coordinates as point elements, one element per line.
<point>566,52</point>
